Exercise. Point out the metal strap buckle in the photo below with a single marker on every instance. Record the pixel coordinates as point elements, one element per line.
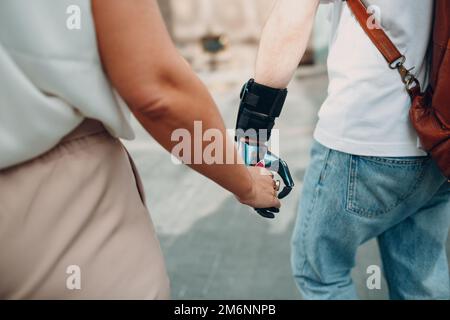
<point>397,63</point>
<point>408,77</point>
<point>246,88</point>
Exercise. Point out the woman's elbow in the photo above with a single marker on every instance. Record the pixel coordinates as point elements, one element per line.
<point>150,102</point>
<point>160,95</point>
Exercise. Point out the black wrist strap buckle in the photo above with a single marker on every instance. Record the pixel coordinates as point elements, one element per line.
<point>260,106</point>
<point>263,99</point>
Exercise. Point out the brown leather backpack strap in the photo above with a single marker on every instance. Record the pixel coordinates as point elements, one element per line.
<point>378,36</point>
<point>387,48</point>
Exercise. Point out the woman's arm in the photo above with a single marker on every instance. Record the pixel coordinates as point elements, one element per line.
<point>163,92</point>
<point>284,41</point>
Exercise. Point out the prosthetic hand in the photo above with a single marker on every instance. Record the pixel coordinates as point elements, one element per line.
<point>260,106</point>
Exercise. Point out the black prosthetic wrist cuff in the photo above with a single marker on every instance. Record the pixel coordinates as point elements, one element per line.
<point>260,106</point>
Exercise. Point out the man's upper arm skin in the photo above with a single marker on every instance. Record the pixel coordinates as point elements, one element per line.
<point>284,41</point>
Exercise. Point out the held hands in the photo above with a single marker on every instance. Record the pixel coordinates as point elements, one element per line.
<point>263,193</point>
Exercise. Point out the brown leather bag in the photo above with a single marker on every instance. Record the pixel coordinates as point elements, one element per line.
<point>430,111</point>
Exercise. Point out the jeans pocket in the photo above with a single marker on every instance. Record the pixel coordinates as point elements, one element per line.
<point>378,185</point>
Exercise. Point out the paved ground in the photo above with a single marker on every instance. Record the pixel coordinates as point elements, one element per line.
<point>216,248</point>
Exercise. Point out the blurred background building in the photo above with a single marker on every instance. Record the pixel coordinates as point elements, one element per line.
<point>237,24</point>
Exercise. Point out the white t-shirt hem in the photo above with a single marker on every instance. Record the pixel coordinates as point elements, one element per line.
<point>367,149</point>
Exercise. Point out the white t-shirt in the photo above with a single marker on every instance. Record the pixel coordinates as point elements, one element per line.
<point>51,78</point>
<point>366,111</point>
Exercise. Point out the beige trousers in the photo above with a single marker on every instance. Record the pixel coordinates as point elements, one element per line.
<point>73,225</point>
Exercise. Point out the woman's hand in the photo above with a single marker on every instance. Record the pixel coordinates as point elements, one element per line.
<point>263,193</point>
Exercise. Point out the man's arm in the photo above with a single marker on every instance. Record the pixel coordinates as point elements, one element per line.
<point>163,92</point>
<point>282,45</point>
<point>284,41</point>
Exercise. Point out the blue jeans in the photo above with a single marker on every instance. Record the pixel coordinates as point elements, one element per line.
<point>348,200</point>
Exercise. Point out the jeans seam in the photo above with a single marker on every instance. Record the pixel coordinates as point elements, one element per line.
<point>323,171</point>
<point>351,179</point>
<point>393,163</point>
<point>311,209</point>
